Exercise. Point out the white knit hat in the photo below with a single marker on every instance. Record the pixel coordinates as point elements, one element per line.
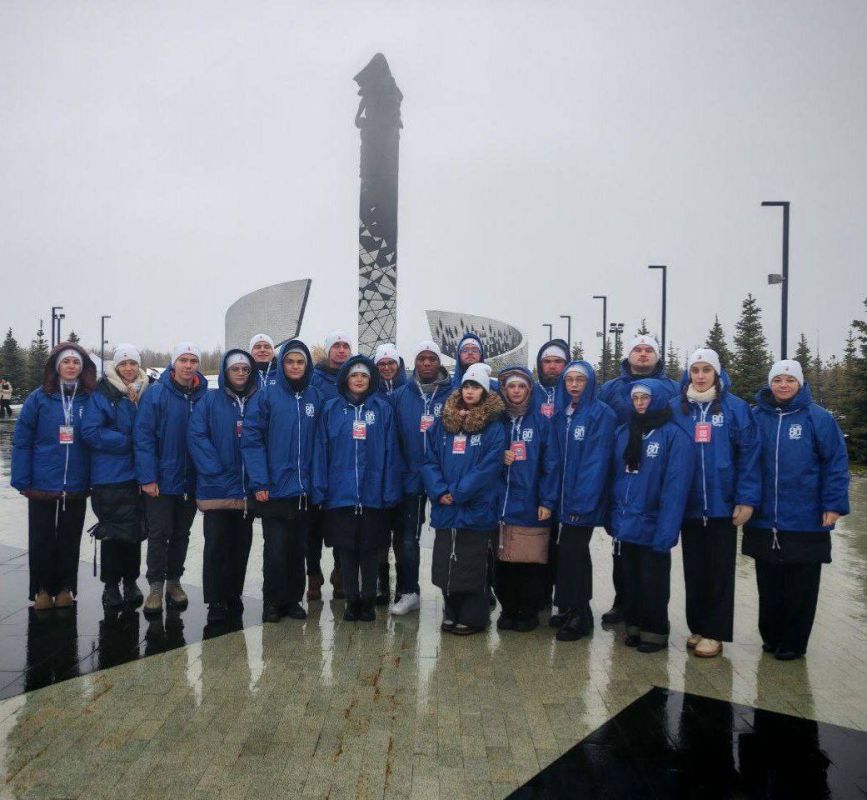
<point>386,351</point>
<point>337,336</point>
<point>647,339</point>
<point>185,348</point>
<point>707,356</point>
<point>554,351</point>
<point>517,377</point>
<point>127,352</point>
<point>260,337</point>
<point>70,352</point>
<point>426,346</point>
<point>787,366</point>
<point>469,342</point>
<point>480,373</point>
<point>579,368</point>
<point>358,366</point>
<point>237,358</point>
<point>640,388</point>
<point>296,349</point>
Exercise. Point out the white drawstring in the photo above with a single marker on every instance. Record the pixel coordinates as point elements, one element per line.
<point>453,558</point>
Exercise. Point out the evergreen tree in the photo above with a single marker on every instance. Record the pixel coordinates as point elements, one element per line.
<point>577,351</point>
<point>73,337</point>
<point>752,359</point>
<point>672,363</point>
<point>12,362</point>
<point>850,351</point>
<point>716,341</point>
<point>643,330</point>
<point>803,355</point>
<point>816,377</point>
<point>617,356</point>
<point>36,359</point>
<point>611,366</point>
<point>855,402</point>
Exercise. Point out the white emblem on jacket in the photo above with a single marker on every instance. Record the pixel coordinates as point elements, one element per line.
<point>653,450</point>
<point>795,431</point>
<point>475,439</point>
<point>309,409</point>
<point>527,434</point>
<point>717,420</point>
<point>579,433</point>
<point>438,409</point>
<point>370,417</point>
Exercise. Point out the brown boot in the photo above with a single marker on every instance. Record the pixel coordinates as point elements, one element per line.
<point>64,599</point>
<point>43,601</point>
<point>176,597</point>
<point>314,587</point>
<point>337,582</point>
<point>154,602</point>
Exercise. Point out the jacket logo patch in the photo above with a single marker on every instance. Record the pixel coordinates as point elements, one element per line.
<point>579,433</point>
<point>370,417</point>
<point>795,431</point>
<point>438,409</point>
<point>527,435</point>
<point>475,439</point>
<point>717,420</point>
<point>653,450</point>
<point>309,409</point>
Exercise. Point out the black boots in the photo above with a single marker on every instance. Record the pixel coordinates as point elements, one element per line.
<point>383,590</point>
<point>578,625</point>
<point>132,595</point>
<point>111,598</point>
<point>360,609</point>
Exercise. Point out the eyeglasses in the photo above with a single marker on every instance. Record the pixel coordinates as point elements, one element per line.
<point>240,369</point>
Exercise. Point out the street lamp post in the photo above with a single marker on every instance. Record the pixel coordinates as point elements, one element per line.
<point>568,318</point>
<point>664,268</point>
<point>604,299</point>
<point>550,328</point>
<point>54,325</point>
<point>784,278</point>
<point>102,342</point>
<point>617,329</point>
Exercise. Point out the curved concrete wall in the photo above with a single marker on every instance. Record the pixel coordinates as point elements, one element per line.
<point>505,345</point>
<point>277,310</point>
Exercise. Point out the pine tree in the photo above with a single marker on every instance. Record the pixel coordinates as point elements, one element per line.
<point>752,359</point>
<point>73,337</point>
<point>855,380</point>
<point>610,364</point>
<point>12,362</point>
<point>36,359</point>
<point>577,351</point>
<point>617,356</point>
<point>672,363</point>
<point>850,351</point>
<point>716,341</point>
<point>803,355</point>
<point>643,330</point>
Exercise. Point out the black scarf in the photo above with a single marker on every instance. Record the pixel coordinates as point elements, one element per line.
<point>639,424</point>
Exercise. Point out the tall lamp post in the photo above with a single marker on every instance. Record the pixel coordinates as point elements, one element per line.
<point>55,325</point>
<point>664,269</point>
<point>568,318</point>
<point>617,329</point>
<point>102,342</point>
<point>604,299</point>
<point>550,328</point>
<point>784,278</point>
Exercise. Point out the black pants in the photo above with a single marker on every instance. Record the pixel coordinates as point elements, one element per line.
<point>119,561</point>
<point>169,519</point>
<point>617,580</point>
<point>646,578</point>
<point>788,595</point>
<point>315,541</point>
<point>286,541</point>
<point>395,543</point>
<point>355,562</point>
<point>5,408</point>
<point>574,568</point>
<point>709,554</point>
<point>467,608</point>
<point>520,588</point>
<point>54,543</point>
<point>228,537</point>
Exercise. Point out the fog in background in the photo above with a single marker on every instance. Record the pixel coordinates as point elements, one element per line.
<point>160,159</point>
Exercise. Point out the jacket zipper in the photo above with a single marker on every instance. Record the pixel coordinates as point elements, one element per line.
<point>516,429</point>
<point>358,507</point>
<point>300,482</point>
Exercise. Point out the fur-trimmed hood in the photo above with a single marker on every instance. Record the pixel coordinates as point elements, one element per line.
<point>489,410</point>
<point>50,378</point>
<point>112,378</point>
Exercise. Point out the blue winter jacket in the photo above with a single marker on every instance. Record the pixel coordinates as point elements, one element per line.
<point>615,393</point>
<point>647,506</point>
<point>160,435</point>
<point>583,444</point>
<point>727,468</point>
<point>389,389</point>
<point>267,377</point>
<point>460,368</point>
<point>805,468</point>
<point>542,394</point>
<point>325,382</point>
<point>214,438</point>
<point>533,482</point>
<point>473,478</point>
<point>107,427</point>
<point>39,461</point>
<point>351,471</point>
<point>279,433</point>
<point>410,405</point>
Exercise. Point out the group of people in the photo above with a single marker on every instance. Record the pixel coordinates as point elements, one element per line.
<point>518,471</point>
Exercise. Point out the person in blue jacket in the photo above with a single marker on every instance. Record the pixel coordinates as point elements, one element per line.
<point>214,441</point>
<point>651,473</point>
<point>115,494</point>
<point>529,494</point>
<point>805,490</point>
<point>262,349</point>
<point>338,349</point>
<point>277,445</point>
<point>583,444</point>
<point>392,375</point>
<point>166,473</point>
<point>643,360</point>
<point>418,405</point>
<point>551,361</point>
<point>726,487</point>
<point>463,474</point>
<point>357,479</point>
<point>470,351</point>
<point>51,468</point>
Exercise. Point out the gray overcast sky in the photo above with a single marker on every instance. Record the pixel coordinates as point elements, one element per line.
<point>159,159</point>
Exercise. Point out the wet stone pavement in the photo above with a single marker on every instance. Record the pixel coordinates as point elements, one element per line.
<point>95,707</point>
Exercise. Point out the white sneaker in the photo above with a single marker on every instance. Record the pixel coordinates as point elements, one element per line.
<point>407,603</point>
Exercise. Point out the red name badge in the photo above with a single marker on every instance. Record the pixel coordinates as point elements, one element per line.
<point>547,409</point>
<point>238,425</point>
<point>67,434</point>
<point>459,444</point>
<point>520,450</point>
<point>702,432</point>
<point>359,429</point>
<point>426,421</point>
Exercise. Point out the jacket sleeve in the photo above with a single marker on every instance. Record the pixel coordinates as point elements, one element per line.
<point>834,462</point>
<point>144,435</point>
<point>596,464</point>
<point>392,491</point>
<point>489,468</point>
<point>22,444</point>
<point>549,484</point>
<point>96,428</point>
<point>320,462</point>
<point>431,472</point>
<point>202,450</point>
<point>254,438</point>
<point>748,460</point>
<point>679,467</point>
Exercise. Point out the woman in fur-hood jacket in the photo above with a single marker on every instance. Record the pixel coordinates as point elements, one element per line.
<point>463,474</point>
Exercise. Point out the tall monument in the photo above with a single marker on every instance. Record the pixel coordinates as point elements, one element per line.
<point>378,119</point>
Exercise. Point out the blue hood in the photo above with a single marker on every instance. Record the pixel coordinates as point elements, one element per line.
<point>659,396</point>
<point>282,380</point>
<point>460,368</point>
<point>554,342</point>
<point>590,393</point>
<point>223,380</point>
<point>343,375</point>
<point>765,399</point>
